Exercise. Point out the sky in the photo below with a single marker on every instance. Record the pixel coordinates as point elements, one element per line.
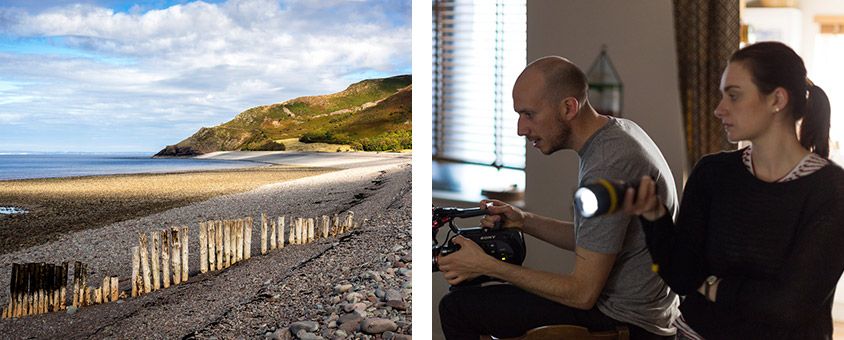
<point>123,76</point>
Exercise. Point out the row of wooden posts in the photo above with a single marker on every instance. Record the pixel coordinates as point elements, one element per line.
<point>38,288</point>
<point>221,244</point>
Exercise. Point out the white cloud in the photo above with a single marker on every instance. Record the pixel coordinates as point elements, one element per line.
<point>198,64</point>
<point>10,118</point>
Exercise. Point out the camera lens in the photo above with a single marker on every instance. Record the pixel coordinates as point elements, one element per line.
<point>435,251</point>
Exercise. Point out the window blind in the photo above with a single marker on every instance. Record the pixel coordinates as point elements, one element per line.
<point>479,48</point>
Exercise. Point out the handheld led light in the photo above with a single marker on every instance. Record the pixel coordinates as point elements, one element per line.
<point>602,197</point>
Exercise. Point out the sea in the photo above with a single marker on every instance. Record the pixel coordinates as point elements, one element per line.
<point>26,165</point>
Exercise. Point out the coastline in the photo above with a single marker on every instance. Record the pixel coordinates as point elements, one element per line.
<point>63,205</point>
<point>264,295</point>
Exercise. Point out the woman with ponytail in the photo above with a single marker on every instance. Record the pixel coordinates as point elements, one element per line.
<point>756,248</point>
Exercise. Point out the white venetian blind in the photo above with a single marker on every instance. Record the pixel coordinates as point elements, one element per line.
<point>479,48</point>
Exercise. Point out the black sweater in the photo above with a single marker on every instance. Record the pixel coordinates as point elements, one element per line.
<point>777,247</point>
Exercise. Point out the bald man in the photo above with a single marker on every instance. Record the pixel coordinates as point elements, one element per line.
<point>612,283</point>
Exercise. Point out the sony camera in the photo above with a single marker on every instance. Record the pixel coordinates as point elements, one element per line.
<point>507,245</point>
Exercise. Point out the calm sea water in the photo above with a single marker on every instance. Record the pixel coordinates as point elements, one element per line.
<point>47,165</point>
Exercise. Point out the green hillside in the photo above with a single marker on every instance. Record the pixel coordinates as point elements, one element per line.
<point>373,114</point>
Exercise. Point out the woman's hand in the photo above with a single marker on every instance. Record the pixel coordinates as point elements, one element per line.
<point>646,202</point>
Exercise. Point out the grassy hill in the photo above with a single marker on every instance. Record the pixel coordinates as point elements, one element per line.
<point>373,115</point>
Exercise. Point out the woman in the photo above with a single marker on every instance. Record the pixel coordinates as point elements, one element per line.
<point>758,241</point>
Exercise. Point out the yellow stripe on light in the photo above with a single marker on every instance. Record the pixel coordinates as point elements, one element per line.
<point>613,194</point>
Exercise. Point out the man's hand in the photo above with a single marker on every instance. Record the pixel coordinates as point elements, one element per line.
<point>465,264</point>
<point>510,216</point>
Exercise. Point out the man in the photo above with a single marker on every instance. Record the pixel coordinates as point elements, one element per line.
<point>612,282</point>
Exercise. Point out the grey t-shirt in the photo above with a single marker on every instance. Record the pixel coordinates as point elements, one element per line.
<point>633,293</point>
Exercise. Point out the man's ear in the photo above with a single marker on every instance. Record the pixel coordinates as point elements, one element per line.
<point>569,107</point>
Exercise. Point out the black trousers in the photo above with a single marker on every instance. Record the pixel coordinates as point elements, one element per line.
<point>507,311</point>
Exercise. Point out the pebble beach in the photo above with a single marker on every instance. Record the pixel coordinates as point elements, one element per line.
<point>354,285</point>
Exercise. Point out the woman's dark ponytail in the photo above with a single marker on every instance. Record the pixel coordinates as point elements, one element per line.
<point>814,129</point>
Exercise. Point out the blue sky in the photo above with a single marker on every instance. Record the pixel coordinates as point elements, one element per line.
<point>103,75</point>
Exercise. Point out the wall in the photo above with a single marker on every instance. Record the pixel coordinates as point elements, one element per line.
<point>639,35</point>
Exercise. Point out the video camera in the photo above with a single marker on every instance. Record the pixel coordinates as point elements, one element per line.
<point>507,245</point>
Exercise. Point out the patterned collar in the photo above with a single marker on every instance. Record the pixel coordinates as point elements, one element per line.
<point>808,165</point>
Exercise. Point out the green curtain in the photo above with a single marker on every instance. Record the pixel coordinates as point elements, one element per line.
<point>707,33</point>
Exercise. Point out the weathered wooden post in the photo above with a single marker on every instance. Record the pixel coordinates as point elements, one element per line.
<point>115,288</point>
<point>75,301</point>
<point>308,230</point>
<point>303,230</point>
<point>305,235</point>
<point>299,230</point>
<point>238,231</point>
<point>185,253</point>
<point>22,293</point>
<point>39,287</point>
<point>36,286</point>
<point>106,288</point>
<point>165,258</point>
<point>85,290</point>
<point>247,245</point>
<point>349,219</point>
<point>227,248</point>
<point>136,267</point>
<point>13,291</point>
<point>57,282</point>
<point>336,225</point>
<point>273,235</point>
<point>156,254</point>
<point>219,244</point>
<point>212,241</point>
<point>324,226</point>
<point>89,300</point>
<point>63,287</point>
<point>292,236</point>
<point>311,230</point>
<point>232,243</point>
<point>281,228</point>
<point>33,289</point>
<point>46,284</point>
<point>23,281</point>
<point>147,284</point>
<point>203,247</point>
<point>176,255</point>
<point>46,273</point>
<point>52,282</point>
<point>43,288</point>
<point>263,234</point>
<point>16,290</point>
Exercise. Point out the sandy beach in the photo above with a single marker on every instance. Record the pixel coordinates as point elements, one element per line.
<point>63,205</point>
<point>341,285</point>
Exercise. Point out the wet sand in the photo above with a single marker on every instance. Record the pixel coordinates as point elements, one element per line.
<point>64,205</point>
